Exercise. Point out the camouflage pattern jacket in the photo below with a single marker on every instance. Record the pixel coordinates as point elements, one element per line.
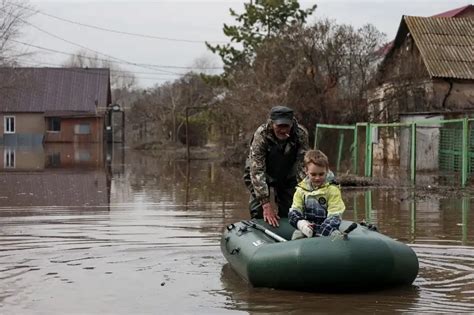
<point>274,162</point>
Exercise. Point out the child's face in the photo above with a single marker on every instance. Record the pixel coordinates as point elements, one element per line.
<point>317,174</point>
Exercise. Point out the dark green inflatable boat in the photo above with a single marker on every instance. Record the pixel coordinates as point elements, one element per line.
<point>364,259</point>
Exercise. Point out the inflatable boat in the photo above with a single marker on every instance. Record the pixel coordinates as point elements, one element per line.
<point>358,258</point>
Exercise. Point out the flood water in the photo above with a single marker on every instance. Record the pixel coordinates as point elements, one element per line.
<point>88,231</point>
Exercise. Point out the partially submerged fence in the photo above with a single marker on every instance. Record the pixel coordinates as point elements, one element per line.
<point>433,145</point>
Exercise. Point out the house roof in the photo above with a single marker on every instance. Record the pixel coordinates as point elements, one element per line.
<point>455,12</point>
<point>85,90</point>
<point>446,45</point>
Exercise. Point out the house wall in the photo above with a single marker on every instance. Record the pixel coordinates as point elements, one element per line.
<point>460,97</point>
<point>69,132</point>
<point>29,129</point>
<point>386,102</point>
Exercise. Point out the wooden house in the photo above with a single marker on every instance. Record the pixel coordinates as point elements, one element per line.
<point>41,105</point>
<point>427,75</point>
<point>429,69</point>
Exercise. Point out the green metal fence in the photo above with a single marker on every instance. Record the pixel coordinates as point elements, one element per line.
<point>451,140</point>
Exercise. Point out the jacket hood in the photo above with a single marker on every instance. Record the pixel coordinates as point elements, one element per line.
<point>305,184</point>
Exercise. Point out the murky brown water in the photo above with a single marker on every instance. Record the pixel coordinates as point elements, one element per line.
<point>141,235</point>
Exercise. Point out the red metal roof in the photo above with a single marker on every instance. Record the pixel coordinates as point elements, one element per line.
<point>54,89</point>
<point>453,12</point>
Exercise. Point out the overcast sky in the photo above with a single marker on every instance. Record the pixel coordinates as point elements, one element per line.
<point>177,30</point>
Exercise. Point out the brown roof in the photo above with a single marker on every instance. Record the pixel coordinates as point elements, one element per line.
<point>54,89</point>
<point>464,11</point>
<point>445,44</point>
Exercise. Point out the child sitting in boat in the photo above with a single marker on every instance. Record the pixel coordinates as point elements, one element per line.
<point>317,204</point>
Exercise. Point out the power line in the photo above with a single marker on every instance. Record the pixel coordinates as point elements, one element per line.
<point>37,62</point>
<point>110,56</point>
<point>91,70</point>
<point>116,31</point>
<point>94,58</point>
<point>119,61</point>
<point>72,43</point>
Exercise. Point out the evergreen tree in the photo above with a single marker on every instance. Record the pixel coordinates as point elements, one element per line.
<point>261,20</point>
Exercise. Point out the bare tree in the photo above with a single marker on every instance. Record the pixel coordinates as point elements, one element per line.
<point>322,71</point>
<point>13,15</point>
<point>120,78</point>
<point>206,64</point>
<point>163,108</point>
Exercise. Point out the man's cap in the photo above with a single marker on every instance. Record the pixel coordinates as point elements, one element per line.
<point>281,115</point>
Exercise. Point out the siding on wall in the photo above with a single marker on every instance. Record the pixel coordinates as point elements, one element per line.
<point>24,123</point>
<point>68,134</point>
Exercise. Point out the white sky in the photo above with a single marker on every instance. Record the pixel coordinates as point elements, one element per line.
<point>191,20</point>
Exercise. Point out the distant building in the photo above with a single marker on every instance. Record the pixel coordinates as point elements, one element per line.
<point>40,105</point>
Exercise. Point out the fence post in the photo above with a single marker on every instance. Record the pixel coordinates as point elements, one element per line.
<point>368,150</point>
<point>464,160</point>
<point>355,150</point>
<point>413,154</point>
<point>315,137</point>
<point>339,151</point>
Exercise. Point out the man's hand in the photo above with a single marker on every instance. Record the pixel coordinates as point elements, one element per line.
<point>305,227</point>
<point>269,215</point>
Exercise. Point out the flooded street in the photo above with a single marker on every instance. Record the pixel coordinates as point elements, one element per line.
<point>140,234</point>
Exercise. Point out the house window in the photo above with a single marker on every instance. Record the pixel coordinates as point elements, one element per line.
<point>82,129</point>
<point>9,158</point>
<point>54,124</point>
<point>9,124</point>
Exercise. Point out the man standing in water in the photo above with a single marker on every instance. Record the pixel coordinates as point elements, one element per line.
<point>275,160</point>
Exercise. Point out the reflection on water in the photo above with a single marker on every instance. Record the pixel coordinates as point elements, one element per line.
<point>57,175</point>
<point>93,230</point>
<point>244,297</point>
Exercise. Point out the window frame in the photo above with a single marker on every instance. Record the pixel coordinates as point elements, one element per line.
<point>79,131</point>
<point>50,123</point>
<point>7,125</point>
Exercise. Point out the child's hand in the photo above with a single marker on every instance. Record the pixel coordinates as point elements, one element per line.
<point>305,227</point>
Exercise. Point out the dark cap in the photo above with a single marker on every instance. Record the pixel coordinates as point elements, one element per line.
<point>281,115</point>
